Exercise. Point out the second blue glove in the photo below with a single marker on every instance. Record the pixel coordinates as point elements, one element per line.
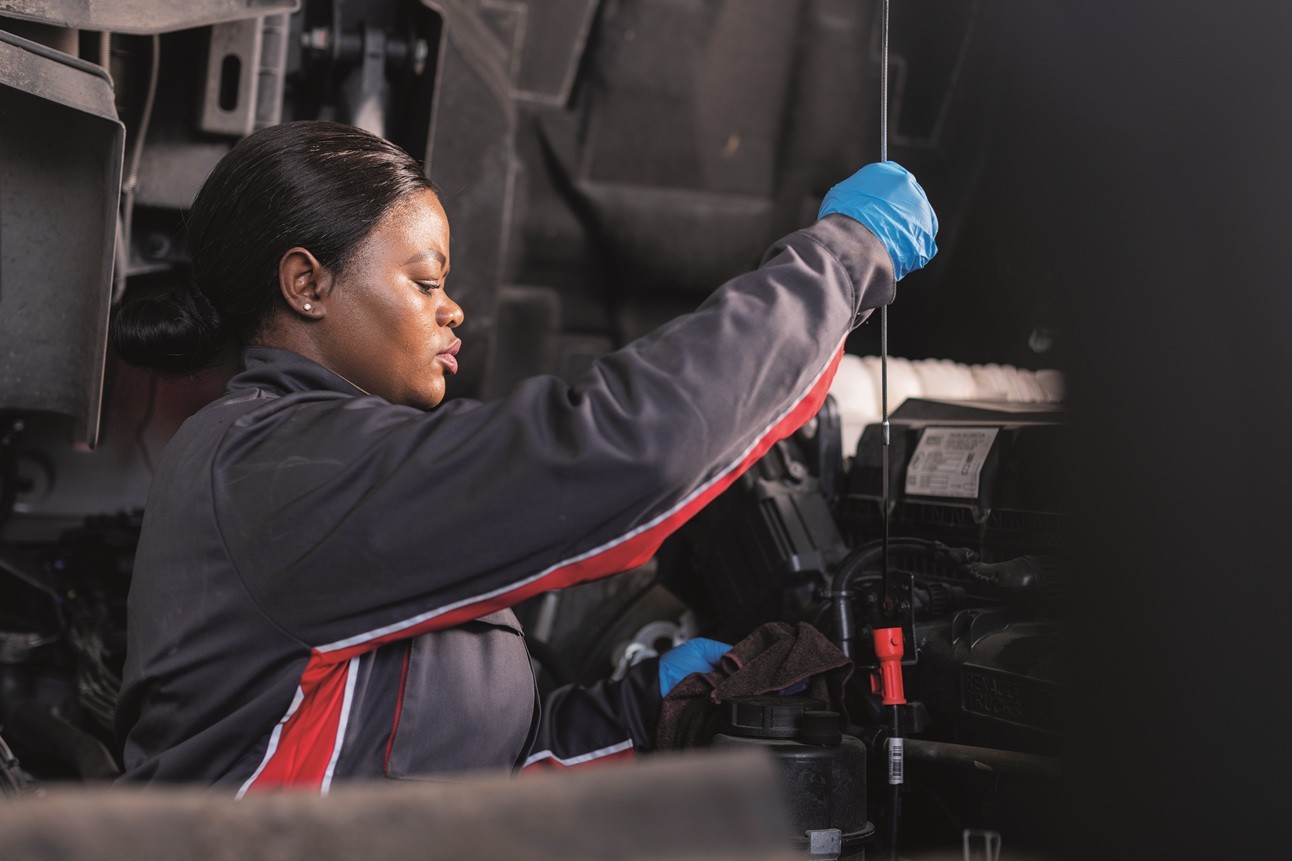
<point>697,655</point>
<point>885,197</point>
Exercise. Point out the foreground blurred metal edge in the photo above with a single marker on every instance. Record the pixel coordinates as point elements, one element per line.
<point>141,16</point>
<point>61,151</point>
<point>710,805</point>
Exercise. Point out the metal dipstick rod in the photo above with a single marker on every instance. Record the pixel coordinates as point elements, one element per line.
<point>883,311</point>
<point>892,650</point>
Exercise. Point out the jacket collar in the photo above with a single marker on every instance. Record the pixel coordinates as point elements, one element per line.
<point>280,372</point>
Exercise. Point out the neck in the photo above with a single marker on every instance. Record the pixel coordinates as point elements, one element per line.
<point>300,337</point>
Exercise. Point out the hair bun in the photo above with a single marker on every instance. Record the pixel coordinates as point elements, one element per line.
<point>176,333</point>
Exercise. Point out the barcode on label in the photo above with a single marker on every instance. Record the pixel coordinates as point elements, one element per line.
<point>895,764</point>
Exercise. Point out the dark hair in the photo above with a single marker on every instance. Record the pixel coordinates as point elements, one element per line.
<point>319,185</point>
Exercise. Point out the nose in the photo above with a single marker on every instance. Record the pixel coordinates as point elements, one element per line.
<point>449,314</point>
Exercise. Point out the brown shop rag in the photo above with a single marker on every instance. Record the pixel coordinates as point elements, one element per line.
<point>774,657</point>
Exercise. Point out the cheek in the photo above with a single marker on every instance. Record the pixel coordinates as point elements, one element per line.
<point>404,322</point>
<point>419,341</point>
<point>421,331</point>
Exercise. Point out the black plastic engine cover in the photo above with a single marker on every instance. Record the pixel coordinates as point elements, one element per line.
<point>1019,504</point>
<point>993,678</point>
<point>765,543</point>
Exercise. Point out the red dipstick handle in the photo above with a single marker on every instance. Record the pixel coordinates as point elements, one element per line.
<point>888,648</point>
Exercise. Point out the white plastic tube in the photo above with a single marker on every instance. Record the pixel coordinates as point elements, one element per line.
<point>856,387</point>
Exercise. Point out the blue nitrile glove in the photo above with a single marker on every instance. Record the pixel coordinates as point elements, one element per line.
<point>885,197</point>
<point>697,655</point>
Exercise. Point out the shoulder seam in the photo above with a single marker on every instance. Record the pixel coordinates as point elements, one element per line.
<point>228,554</point>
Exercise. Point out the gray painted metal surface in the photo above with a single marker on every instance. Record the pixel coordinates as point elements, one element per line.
<point>471,155</point>
<point>250,54</point>
<point>61,152</point>
<point>555,33</point>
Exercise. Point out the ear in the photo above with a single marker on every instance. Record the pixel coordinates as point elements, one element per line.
<point>304,281</point>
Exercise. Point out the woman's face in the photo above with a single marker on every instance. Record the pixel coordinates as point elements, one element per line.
<point>391,320</point>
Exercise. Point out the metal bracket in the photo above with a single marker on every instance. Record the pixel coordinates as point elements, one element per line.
<point>245,73</point>
<point>824,843</point>
<point>990,844</point>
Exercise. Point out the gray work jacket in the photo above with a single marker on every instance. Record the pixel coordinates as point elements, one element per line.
<point>322,585</point>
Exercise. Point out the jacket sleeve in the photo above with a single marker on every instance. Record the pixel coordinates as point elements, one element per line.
<point>604,722</point>
<point>353,522</point>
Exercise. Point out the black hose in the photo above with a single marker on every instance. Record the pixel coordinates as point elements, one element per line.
<point>984,760</point>
<point>861,557</point>
<point>855,563</point>
<point>858,559</point>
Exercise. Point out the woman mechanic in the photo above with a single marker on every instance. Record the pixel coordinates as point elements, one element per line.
<point>323,583</point>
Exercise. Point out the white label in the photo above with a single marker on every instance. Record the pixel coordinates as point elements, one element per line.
<point>896,770</point>
<point>948,462</point>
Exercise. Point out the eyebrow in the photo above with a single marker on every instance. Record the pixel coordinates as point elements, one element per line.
<point>423,255</point>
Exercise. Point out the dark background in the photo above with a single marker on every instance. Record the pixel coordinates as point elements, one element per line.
<point>1175,212</point>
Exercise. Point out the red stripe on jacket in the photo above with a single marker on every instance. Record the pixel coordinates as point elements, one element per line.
<point>309,736</point>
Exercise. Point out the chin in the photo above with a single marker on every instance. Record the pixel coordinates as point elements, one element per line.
<point>427,399</point>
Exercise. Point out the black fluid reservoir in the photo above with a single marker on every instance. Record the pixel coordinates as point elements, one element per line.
<point>823,770</point>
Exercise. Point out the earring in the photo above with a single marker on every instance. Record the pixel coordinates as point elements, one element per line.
<point>307,306</point>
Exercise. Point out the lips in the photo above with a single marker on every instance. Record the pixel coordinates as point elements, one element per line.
<point>449,356</point>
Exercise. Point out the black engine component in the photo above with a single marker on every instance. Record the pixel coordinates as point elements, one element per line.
<point>62,646</point>
<point>994,677</point>
<point>34,728</point>
<point>1004,503</point>
<point>824,770</point>
<point>766,546</point>
<point>976,575</point>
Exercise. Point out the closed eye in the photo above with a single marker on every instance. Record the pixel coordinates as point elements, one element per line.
<point>428,286</point>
